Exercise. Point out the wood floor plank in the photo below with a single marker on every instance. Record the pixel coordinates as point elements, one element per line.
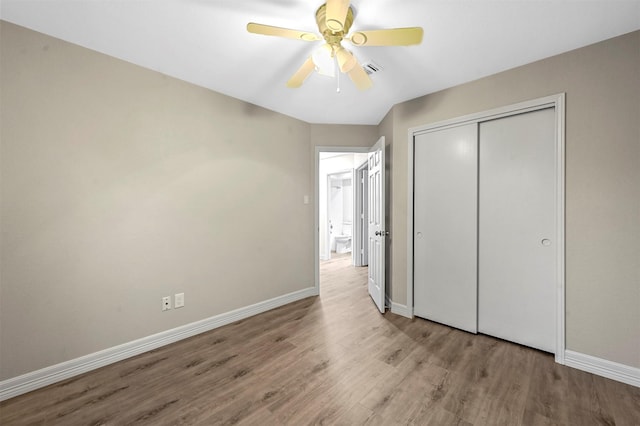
<point>437,416</point>
<point>359,415</point>
<point>624,400</point>
<point>332,359</point>
<point>505,404</point>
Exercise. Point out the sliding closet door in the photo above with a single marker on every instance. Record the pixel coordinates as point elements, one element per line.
<point>445,226</point>
<point>517,229</point>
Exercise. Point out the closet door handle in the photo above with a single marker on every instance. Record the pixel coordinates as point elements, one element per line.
<point>546,242</point>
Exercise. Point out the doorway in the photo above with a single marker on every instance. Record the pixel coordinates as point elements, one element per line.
<point>336,206</point>
<point>337,203</point>
<point>361,161</point>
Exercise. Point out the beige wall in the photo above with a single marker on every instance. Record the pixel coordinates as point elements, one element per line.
<point>120,185</point>
<point>602,85</point>
<point>343,135</point>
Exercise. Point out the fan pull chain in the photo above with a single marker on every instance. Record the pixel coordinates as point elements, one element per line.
<point>338,77</point>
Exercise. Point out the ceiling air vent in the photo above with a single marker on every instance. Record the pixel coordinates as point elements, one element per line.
<point>371,67</point>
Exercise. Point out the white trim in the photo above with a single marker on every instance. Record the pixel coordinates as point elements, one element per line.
<point>40,378</point>
<point>492,114</point>
<point>410,232</point>
<point>360,256</point>
<point>560,221</point>
<point>602,367</point>
<point>555,101</point>
<point>397,308</point>
<point>402,310</point>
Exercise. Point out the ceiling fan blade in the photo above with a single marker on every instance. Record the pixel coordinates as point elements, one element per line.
<point>360,77</point>
<point>336,14</point>
<point>252,27</point>
<point>301,75</point>
<point>346,60</point>
<point>389,37</point>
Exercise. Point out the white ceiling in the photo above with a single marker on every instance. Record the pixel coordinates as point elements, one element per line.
<point>205,42</point>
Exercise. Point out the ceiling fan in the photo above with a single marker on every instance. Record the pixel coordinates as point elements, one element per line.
<point>334,19</point>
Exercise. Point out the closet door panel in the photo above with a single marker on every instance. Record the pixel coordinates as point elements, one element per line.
<point>517,250</point>
<point>445,226</point>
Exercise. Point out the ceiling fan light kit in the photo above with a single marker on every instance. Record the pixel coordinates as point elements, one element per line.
<point>323,60</point>
<point>334,19</point>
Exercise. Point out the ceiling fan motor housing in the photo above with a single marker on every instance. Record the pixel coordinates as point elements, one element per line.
<point>333,37</point>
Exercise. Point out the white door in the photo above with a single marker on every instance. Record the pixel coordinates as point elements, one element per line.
<point>517,227</point>
<point>445,226</point>
<point>376,231</point>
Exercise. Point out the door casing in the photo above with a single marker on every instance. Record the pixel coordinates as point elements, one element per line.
<point>360,249</point>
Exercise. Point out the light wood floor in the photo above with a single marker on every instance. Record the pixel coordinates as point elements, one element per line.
<point>332,360</point>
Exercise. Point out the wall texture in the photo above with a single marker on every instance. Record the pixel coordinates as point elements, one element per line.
<point>602,86</point>
<point>120,185</point>
<point>343,135</point>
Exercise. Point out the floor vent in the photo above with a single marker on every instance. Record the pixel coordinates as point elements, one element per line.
<point>371,67</point>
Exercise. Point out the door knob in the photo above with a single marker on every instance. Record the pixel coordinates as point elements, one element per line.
<point>546,242</point>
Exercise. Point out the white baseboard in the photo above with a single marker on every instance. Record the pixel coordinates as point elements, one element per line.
<point>402,310</point>
<point>602,367</point>
<point>40,378</point>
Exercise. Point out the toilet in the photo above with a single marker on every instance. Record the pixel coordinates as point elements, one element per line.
<point>343,242</point>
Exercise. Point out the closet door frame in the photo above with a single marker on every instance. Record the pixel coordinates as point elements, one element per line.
<point>554,101</point>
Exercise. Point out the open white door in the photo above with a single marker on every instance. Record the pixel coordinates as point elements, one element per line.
<point>377,233</point>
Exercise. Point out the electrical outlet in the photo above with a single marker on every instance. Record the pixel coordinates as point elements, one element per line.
<point>166,303</point>
<point>178,300</point>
